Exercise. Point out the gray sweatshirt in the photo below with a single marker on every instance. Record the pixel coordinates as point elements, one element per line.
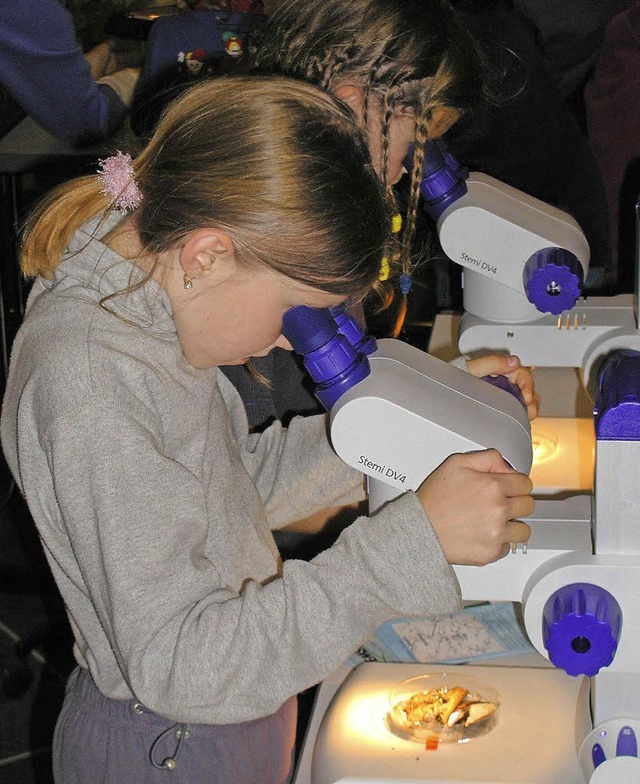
<point>155,507</point>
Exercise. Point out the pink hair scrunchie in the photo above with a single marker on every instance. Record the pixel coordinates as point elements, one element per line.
<point>119,182</point>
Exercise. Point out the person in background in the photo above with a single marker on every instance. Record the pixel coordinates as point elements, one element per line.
<point>154,502</point>
<point>612,99</point>
<point>571,35</point>
<point>206,38</point>
<point>518,130</point>
<point>80,99</point>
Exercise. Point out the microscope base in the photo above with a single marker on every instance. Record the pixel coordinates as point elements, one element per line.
<point>555,341</point>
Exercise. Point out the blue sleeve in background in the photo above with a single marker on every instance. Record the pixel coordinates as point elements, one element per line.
<point>44,68</point>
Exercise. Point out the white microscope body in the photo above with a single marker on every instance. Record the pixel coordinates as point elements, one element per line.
<point>579,578</point>
<point>502,316</point>
<point>424,410</point>
<point>524,266</point>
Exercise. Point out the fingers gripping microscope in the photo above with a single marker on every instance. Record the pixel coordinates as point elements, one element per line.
<point>396,413</point>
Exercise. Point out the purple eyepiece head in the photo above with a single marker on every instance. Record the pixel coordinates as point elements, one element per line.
<point>443,179</point>
<point>553,280</point>
<point>329,357</point>
<point>353,332</point>
<point>451,161</point>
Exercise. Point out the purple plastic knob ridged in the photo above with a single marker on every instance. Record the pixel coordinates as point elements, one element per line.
<point>553,279</point>
<point>502,382</point>
<point>617,407</point>
<point>581,626</point>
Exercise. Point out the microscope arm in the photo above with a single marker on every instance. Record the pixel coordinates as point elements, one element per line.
<point>558,528</point>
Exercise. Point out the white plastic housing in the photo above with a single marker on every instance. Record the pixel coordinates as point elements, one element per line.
<point>541,713</point>
<point>577,338</point>
<point>492,231</point>
<point>413,411</point>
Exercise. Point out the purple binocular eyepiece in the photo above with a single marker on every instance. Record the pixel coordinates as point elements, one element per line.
<point>328,355</point>
<point>443,179</point>
<point>353,332</point>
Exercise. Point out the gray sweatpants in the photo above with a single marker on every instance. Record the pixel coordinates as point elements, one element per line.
<point>102,741</point>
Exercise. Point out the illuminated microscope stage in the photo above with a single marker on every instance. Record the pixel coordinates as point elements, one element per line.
<point>542,716</point>
<point>563,456</point>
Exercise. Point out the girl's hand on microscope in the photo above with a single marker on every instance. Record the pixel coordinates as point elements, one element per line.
<point>472,501</point>
<point>509,366</point>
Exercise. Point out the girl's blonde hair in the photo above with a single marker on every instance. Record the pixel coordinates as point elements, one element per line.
<point>276,163</point>
<point>412,53</point>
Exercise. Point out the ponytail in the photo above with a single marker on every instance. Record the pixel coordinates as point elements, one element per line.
<point>50,227</point>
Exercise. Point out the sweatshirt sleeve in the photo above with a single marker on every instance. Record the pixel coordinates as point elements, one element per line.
<point>135,542</point>
<point>44,68</point>
<point>297,472</point>
<point>294,468</point>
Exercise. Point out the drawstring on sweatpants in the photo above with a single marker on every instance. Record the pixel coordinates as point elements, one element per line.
<point>169,763</point>
<point>181,732</point>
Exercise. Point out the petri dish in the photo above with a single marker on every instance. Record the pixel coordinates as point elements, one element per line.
<point>447,706</point>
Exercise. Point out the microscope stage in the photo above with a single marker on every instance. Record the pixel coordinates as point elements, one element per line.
<point>543,715</point>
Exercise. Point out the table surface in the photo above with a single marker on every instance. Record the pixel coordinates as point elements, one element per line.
<point>28,145</point>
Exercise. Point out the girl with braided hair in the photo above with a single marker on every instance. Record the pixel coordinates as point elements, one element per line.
<point>477,62</point>
<point>407,68</point>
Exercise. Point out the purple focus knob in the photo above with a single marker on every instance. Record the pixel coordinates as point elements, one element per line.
<point>502,382</point>
<point>581,626</point>
<point>553,279</point>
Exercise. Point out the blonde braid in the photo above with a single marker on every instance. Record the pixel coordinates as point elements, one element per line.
<point>421,139</point>
<point>336,61</point>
